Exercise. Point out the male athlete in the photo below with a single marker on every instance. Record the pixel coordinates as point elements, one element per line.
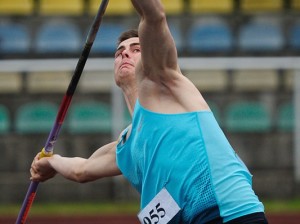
<point>174,153</point>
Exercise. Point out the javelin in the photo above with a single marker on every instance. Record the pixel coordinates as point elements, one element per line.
<point>47,151</point>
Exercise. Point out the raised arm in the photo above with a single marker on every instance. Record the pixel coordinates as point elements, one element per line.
<point>102,163</point>
<point>159,54</point>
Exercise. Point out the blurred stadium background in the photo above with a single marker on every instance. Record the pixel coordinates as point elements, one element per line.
<point>242,54</point>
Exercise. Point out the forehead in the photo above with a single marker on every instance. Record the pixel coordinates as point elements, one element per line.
<point>128,42</point>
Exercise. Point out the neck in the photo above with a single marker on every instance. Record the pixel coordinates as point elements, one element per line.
<point>130,95</point>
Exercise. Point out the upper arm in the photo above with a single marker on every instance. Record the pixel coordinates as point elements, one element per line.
<point>159,54</point>
<point>102,163</point>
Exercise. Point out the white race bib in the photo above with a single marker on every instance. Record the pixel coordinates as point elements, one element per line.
<point>160,210</point>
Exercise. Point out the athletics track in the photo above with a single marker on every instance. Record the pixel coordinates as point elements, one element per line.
<point>273,219</point>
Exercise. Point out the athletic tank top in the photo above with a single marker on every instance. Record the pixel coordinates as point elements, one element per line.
<point>188,154</point>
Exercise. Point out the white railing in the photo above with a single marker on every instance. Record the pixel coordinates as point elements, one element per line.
<point>231,63</point>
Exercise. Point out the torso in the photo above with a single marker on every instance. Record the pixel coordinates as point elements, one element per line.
<point>156,156</point>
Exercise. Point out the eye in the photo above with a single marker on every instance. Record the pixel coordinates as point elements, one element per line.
<point>117,54</point>
<point>137,50</point>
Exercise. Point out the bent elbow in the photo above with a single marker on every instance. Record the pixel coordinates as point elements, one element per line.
<point>158,18</point>
<point>80,175</point>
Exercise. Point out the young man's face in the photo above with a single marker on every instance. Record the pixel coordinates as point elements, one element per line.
<point>127,55</point>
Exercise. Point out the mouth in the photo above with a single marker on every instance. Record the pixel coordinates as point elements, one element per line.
<point>126,64</point>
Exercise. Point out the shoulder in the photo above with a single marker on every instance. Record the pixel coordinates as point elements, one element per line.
<point>173,95</point>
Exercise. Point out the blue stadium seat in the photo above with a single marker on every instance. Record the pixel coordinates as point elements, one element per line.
<point>261,36</point>
<point>177,36</point>
<point>294,36</point>
<point>14,38</point>
<point>286,117</point>
<point>36,117</point>
<point>4,120</point>
<point>212,36</point>
<point>89,117</point>
<point>247,117</point>
<point>106,39</point>
<point>58,37</point>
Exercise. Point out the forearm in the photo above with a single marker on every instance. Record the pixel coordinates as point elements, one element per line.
<point>157,45</point>
<point>69,168</point>
<point>102,163</point>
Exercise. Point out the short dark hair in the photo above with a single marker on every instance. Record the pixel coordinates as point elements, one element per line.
<point>127,35</point>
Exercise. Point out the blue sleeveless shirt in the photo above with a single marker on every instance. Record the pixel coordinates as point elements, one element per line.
<point>188,154</point>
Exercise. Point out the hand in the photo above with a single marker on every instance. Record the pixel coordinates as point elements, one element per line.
<point>41,170</point>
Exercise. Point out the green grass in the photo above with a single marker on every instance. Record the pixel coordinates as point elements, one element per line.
<point>282,206</point>
<point>67,209</point>
<point>110,208</point>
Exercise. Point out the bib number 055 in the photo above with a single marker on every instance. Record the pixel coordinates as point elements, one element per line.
<point>155,215</point>
<point>160,210</point>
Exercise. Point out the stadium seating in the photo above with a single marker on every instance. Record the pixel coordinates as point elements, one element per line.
<point>177,36</point>
<point>289,80</point>
<point>114,8</point>
<point>16,7</point>
<point>294,37</point>
<point>124,7</point>
<point>211,35</point>
<point>209,81</point>
<point>14,38</point>
<point>106,40</point>
<point>173,7</point>
<point>35,118</point>
<point>47,82</point>
<point>61,7</point>
<point>96,82</point>
<point>253,6</point>
<point>10,82</point>
<point>4,120</point>
<point>58,37</point>
<point>211,6</point>
<point>261,36</point>
<point>247,116</point>
<point>216,111</point>
<point>89,117</point>
<point>286,117</point>
<point>295,5</point>
<point>255,80</point>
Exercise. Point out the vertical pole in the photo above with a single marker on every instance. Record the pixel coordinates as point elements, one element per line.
<point>297,125</point>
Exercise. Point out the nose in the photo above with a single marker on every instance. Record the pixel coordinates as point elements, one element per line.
<point>125,53</point>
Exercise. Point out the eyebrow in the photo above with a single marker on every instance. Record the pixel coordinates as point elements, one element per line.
<point>132,44</point>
